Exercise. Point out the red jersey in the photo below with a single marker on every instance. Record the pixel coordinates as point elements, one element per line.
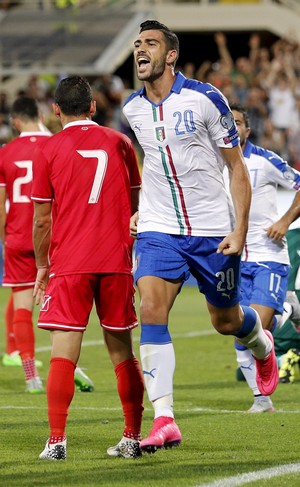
<point>16,177</point>
<point>87,172</point>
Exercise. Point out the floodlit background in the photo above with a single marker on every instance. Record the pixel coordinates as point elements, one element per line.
<point>248,49</point>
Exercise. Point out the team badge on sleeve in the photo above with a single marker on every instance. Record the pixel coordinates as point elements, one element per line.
<point>289,174</point>
<point>228,140</point>
<point>227,121</point>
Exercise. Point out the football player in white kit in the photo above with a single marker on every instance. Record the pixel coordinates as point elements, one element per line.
<point>265,260</point>
<point>186,221</point>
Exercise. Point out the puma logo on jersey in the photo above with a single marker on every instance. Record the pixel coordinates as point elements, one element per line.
<point>227,295</point>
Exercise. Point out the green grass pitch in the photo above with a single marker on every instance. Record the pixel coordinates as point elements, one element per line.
<point>219,439</point>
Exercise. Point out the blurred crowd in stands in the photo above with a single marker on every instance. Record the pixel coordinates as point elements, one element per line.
<point>61,4</point>
<point>266,82</point>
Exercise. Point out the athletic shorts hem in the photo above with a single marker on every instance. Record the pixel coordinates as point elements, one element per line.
<point>182,277</point>
<point>57,326</point>
<point>12,284</point>
<point>228,304</point>
<point>119,328</point>
<point>278,308</point>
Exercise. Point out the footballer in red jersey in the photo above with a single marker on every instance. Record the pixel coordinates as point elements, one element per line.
<point>16,214</point>
<point>85,189</point>
<point>87,172</point>
<point>15,200</point>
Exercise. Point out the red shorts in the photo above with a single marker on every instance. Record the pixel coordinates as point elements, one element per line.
<point>19,268</point>
<point>68,302</point>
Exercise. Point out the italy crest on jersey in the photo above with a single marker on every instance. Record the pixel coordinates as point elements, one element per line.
<point>160,134</point>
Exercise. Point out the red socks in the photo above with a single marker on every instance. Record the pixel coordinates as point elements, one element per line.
<point>131,392</point>
<point>11,345</point>
<point>24,334</point>
<point>60,391</point>
<point>24,338</point>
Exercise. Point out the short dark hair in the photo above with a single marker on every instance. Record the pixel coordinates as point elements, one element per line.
<point>25,107</point>
<point>241,109</point>
<point>170,37</point>
<point>152,25</point>
<point>73,95</point>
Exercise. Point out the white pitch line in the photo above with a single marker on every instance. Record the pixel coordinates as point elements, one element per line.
<point>73,408</point>
<point>235,481</point>
<point>246,478</point>
<point>91,343</point>
<point>179,410</point>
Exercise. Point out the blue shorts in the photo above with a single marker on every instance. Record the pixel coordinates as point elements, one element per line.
<point>174,257</point>
<point>264,283</point>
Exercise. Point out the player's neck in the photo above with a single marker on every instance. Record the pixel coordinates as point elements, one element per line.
<point>29,127</point>
<point>159,89</point>
<point>68,119</point>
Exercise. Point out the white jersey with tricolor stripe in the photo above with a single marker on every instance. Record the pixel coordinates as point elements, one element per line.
<point>183,190</point>
<point>267,171</point>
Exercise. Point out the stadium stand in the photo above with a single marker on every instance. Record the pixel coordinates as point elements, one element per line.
<point>94,38</point>
<point>91,35</point>
<point>58,38</point>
